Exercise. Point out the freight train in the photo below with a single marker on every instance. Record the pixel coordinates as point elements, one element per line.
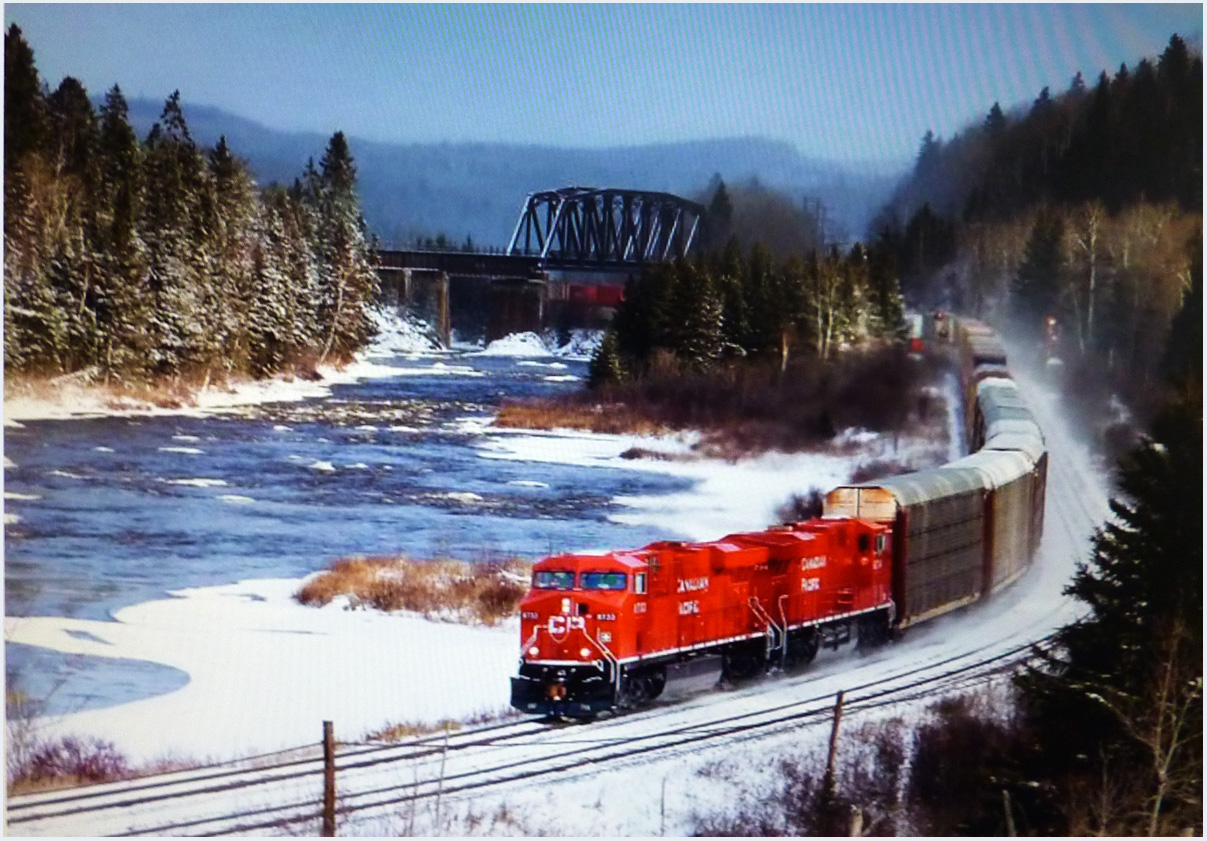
<point>607,632</point>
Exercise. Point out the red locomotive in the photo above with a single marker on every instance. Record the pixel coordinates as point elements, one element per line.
<point>606,632</point>
<point>601,631</point>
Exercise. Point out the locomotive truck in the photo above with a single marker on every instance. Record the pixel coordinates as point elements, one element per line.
<point>606,632</point>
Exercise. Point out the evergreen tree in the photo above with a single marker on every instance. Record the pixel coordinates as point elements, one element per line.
<point>765,314</point>
<point>234,240</point>
<point>177,211</point>
<point>349,284</point>
<point>606,367</point>
<point>887,306</point>
<point>695,332</point>
<point>1117,708</point>
<point>718,219</point>
<point>26,128</point>
<point>929,155</point>
<point>995,121</point>
<point>124,299</point>
<point>1040,276</point>
<point>735,325</point>
<point>74,269</point>
<point>645,317</point>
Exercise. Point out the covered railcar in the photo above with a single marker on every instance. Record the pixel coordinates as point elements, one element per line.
<point>937,519</point>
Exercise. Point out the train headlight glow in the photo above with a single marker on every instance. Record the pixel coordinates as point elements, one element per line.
<point>534,651</point>
<point>584,652</point>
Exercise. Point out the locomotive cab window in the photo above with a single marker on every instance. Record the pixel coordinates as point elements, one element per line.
<point>639,583</point>
<point>864,543</point>
<point>553,580</point>
<point>604,581</point>
<point>880,543</point>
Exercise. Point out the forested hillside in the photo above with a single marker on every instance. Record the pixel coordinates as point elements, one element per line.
<point>1085,206</point>
<point>143,260</point>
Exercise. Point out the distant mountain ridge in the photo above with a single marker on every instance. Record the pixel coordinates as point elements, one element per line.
<point>478,189</point>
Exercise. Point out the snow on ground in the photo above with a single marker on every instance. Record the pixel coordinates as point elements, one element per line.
<point>725,497</point>
<point>581,346</point>
<point>265,671</point>
<point>400,335</point>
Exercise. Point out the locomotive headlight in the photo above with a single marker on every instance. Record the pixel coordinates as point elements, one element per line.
<point>534,651</point>
<point>584,652</point>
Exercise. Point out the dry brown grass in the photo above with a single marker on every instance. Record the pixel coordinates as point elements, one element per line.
<point>409,730</point>
<point>610,418</point>
<point>486,592</point>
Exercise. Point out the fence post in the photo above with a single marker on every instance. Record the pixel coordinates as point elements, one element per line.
<point>328,779</point>
<point>1009,814</point>
<point>829,784</point>
<point>440,785</point>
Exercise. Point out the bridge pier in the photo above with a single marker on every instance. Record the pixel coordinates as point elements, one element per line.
<point>423,292</point>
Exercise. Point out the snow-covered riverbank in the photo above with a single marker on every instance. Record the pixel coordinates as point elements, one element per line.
<point>71,397</point>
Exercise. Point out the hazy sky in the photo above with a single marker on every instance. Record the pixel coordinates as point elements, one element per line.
<point>838,81</point>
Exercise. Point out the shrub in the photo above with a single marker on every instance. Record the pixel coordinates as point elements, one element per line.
<point>486,592</point>
<point>804,506</point>
<point>69,760</point>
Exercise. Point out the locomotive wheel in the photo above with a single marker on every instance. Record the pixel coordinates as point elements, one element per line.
<point>873,631</point>
<point>742,663</point>
<point>641,688</point>
<point>802,648</point>
<point>656,682</point>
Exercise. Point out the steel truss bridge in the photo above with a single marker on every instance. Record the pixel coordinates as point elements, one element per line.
<point>573,230</point>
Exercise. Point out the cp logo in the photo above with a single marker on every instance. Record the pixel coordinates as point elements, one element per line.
<point>561,624</point>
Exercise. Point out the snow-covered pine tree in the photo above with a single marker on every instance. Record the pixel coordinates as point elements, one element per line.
<point>124,301</point>
<point>695,331</point>
<point>74,262</point>
<point>728,272</point>
<point>30,319</point>
<point>175,217</point>
<point>232,239</point>
<point>348,283</point>
<point>606,367</point>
